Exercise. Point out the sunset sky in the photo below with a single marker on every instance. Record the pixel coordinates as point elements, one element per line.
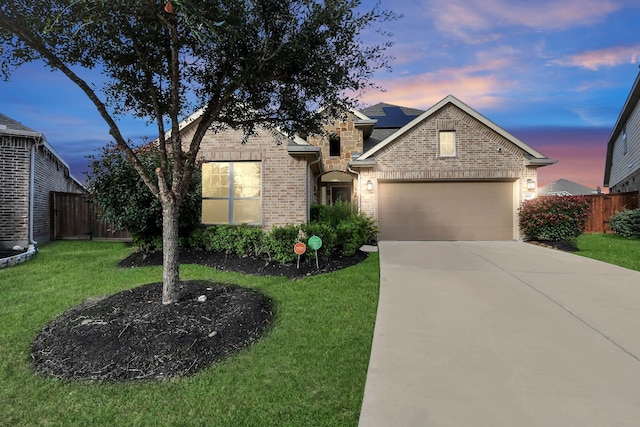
<point>554,74</point>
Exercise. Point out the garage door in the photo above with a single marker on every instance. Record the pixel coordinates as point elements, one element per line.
<point>446,210</point>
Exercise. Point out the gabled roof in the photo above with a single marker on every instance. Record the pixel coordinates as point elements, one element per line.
<point>11,127</point>
<point>195,116</point>
<point>565,187</point>
<point>629,105</point>
<point>8,126</point>
<point>534,156</point>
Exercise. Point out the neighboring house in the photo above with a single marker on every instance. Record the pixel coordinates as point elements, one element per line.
<point>29,170</point>
<point>447,173</point>
<point>564,187</point>
<point>622,168</point>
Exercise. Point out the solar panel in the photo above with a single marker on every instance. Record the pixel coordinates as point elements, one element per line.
<point>394,118</point>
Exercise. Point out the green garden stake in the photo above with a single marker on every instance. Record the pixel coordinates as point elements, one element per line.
<point>315,243</point>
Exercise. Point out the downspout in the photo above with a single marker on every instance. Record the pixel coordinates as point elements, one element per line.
<point>359,189</point>
<point>309,189</point>
<point>32,186</point>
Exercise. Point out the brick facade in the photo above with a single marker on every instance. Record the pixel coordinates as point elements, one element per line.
<point>285,183</point>
<point>51,174</point>
<point>15,163</point>
<point>481,154</point>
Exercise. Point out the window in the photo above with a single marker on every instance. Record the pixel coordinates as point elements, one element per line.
<point>624,140</point>
<point>334,146</point>
<point>231,192</point>
<point>447,143</point>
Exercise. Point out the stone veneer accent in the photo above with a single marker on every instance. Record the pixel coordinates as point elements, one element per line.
<point>481,154</point>
<point>284,177</point>
<point>350,144</point>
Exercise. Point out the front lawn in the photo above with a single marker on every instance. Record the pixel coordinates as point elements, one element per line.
<point>611,248</point>
<point>309,370</point>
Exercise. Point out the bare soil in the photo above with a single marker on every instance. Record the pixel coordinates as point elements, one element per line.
<point>132,336</point>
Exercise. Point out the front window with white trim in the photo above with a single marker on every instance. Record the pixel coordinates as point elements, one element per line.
<point>447,143</point>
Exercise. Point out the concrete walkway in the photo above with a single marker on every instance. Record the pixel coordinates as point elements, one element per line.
<point>502,334</point>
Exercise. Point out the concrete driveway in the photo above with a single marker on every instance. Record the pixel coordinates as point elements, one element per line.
<point>502,334</point>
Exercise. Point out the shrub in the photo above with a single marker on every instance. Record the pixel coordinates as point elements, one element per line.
<point>354,232</point>
<point>280,241</point>
<point>249,240</point>
<point>555,218</point>
<point>626,223</point>
<point>352,229</point>
<point>325,232</point>
<point>123,200</point>
<point>331,214</point>
<point>198,239</point>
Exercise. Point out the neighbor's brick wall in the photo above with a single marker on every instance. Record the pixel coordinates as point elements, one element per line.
<point>284,178</point>
<point>15,175</point>
<point>51,175</point>
<point>14,191</point>
<point>414,156</point>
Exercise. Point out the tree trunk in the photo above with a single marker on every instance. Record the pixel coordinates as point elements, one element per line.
<point>171,265</point>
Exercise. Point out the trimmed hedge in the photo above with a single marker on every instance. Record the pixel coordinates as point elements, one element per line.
<point>341,230</point>
<point>554,218</point>
<point>626,223</point>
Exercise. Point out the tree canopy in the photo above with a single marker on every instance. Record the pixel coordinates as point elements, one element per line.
<point>245,63</point>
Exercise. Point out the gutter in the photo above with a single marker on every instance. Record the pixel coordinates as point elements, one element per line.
<point>32,186</point>
<point>540,162</point>
<point>309,190</point>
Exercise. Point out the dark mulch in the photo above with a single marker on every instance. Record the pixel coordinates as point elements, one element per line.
<point>132,335</point>
<point>6,253</point>
<point>562,246</point>
<point>251,264</point>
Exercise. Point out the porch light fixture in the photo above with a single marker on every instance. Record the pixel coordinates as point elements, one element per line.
<point>369,185</point>
<point>531,184</point>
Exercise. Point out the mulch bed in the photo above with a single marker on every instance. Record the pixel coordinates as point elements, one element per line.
<point>561,246</point>
<point>6,253</point>
<point>132,336</point>
<point>250,264</point>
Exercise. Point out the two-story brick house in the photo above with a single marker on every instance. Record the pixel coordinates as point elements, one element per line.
<point>29,170</point>
<point>622,167</point>
<point>447,173</point>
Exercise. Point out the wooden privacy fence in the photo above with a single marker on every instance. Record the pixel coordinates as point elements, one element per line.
<point>73,217</point>
<point>604,206</point>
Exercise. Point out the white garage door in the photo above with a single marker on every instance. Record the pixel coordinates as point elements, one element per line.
<point>446,210</point>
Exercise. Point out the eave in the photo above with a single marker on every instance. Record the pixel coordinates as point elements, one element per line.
<point>365,163</point>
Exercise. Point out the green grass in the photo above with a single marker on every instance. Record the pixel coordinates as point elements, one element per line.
<point>611,248</point>
<point>309,370</point>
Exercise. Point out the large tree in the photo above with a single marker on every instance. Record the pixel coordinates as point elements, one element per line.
<point>246,63</point>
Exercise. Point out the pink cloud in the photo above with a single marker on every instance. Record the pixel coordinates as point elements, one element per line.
<point>596,59</point>
<point>581,153</point>
<point>477,85</point>
<point>479,21</point>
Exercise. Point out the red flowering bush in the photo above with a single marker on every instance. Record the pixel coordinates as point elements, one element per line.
<point>554,218</point>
